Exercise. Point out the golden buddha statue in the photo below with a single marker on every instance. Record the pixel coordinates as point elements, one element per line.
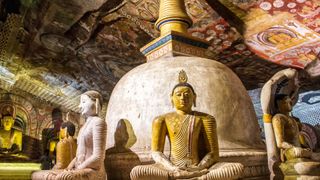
<point>10,139</point>
<point>300,160</point>
<point>194,151</point>
<point>67,146</point>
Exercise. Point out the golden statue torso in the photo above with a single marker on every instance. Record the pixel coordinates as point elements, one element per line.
<point>286,129</point>
<point>291,131</point>
<point>8,138</point>
<point>185,132</point>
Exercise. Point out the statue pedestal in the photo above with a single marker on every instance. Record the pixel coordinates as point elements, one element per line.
<point>17,170</point>
<point>254,160</point>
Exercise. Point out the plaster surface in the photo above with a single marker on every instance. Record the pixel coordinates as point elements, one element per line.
<point>144,93</point>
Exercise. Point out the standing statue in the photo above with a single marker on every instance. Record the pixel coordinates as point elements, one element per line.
<point>10,139</point>
<point>282,130</point>
<point>66,147</point>
<point>194,151</point>
<point>89,160</point>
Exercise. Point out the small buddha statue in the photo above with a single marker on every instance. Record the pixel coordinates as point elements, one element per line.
<point>91,141</point>
<point>296,158</point>
<point>10,139</point>
<point>66,147</point>
<point>194,151</point>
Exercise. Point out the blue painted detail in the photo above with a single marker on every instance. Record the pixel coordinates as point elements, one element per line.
<point>170,37</point>
<point>307,108</point>
<point>171,20</point>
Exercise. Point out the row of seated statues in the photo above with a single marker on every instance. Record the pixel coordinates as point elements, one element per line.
<point>88,162</point>
<point>192,135</point>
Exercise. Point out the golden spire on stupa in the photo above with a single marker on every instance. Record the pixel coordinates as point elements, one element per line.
<point>173,17</point>
<point>174,39</point>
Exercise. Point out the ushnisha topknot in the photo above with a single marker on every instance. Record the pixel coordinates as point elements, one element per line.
<point>183,81</point>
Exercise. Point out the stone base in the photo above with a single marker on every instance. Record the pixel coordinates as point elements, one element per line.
<point>119,165</point>
<point>301,178</point>
<point>19,171</point>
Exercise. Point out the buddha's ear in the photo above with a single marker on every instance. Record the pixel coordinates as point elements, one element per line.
<point>97,106</point>
<point>67,132</point>
<point>194,100</point>
<point>171,98</point>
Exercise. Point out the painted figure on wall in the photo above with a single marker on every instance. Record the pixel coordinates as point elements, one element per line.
<point>10,139</point>
<point>194,151</point>
<point>89,160</point>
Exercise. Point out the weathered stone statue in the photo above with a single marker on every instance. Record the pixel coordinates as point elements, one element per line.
<point>89,160</point>
<point>283,82</point>
<point>194,151</point>
<point>286,155</point>
<point>66,147</point>
<point>297,160</point>
<point>10,139</point>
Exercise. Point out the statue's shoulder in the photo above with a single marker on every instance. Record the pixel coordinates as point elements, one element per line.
<point>163,117</point>
<point>203,115</point>
<point>279,117</point>
<point>17,132</point>
<point>97,120</point>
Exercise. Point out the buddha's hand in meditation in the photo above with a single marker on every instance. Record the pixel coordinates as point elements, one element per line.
<point>302,152</point>
<point>193,168</point>
<point>186,173</point>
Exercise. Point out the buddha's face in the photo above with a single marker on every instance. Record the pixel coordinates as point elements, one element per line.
<point>183,98</point>
<point>285,105</point>
<point>7,123</point>
<point>63,132</point>
<point>87,105</point>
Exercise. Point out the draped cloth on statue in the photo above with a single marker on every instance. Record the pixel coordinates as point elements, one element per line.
<point>181,155</point>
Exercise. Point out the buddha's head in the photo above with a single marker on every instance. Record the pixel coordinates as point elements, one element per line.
<point>183,95</point>
<point>283,103</point>
<point>90,103</point>
<point>7,123</point>
<point>67,129</point>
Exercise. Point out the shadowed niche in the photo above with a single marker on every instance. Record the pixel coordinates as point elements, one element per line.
<point>120,159</point>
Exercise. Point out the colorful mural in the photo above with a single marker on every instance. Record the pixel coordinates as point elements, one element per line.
<point>286,33</point>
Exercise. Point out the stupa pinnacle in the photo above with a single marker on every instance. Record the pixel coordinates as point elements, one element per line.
<point>174,39</point>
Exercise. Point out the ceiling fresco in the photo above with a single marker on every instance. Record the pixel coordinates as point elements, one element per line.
<point>61,49</point>
<point>292,37</point>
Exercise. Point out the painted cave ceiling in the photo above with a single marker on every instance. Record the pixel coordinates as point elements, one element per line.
<point>56,49</point>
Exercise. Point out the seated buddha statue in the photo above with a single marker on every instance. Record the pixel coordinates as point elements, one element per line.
<point>66,147</point>
<point>91,141</point>
<point>194,151</point>
<point>297,160</point>
<point>10,139</point>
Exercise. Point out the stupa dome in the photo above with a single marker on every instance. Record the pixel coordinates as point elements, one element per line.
<point>144,93</point>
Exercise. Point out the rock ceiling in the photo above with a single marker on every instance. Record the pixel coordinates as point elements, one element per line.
<point>57,49</point>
